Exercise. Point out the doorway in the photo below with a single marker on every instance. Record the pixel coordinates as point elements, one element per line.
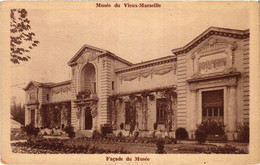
<point>88,119</point>
<point>33,117</point>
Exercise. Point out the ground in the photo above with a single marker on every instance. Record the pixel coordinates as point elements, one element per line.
<point>131,146</point>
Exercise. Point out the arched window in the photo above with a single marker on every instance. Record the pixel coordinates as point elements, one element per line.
<point>88,78</point>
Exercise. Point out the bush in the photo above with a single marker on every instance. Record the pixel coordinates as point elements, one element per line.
<point>227,149</point>
<point>200,136</point>
<point>54,146</point>
<point>181,134</point>
<point>212,127</point>
<point>155,126</point>
<point>136,134</point>
<point>160,146</point>
<point>105,128</point>
<point>30,130</point>
<point>244,132</point>
<point>120,134</point>
<point>96,135</point>
<point>70,131</point>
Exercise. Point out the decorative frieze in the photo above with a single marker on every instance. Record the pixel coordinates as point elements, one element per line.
<point>147,73</point>
<point>61,90</point>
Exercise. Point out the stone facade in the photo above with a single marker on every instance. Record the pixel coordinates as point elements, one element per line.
<point>177,91</point>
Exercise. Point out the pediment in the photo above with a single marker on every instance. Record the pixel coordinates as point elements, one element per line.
<point>214,44</point>
<point>32,86</point>
<point>85,54</point>
<point>212,31</point>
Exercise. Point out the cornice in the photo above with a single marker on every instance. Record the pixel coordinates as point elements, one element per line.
<point>214,77</point>
<point>231,33</point>
<point>102,53</point>
<point>146,64</point>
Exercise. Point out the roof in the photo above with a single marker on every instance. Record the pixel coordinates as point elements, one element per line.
<point>47,85</point>
<point>233,33</point>
<point>100,51</point>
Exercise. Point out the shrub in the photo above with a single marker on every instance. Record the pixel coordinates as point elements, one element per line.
<point>55,146</point>
<point>30,130</point>
<point>136,134</point>
<point>120,134</point>
<point>105,128</point>
<point>155,126</point>
<point>70,131</point>
<point>227,149</point>
<point>200,136</point>
<point>96,134</point>
<point>244,132</point>
<point>160,146</point>
<point>181,134</point>
<point>212,127</point>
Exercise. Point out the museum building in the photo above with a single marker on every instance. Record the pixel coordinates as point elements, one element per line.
<point>207,79</point>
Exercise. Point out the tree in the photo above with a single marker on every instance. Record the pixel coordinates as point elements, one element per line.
<point>21,37</point>
<point>17,111</point>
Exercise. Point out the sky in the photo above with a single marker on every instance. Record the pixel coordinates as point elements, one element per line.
<point>135,34</point>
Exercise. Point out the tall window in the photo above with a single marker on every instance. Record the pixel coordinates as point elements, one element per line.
<point>95,87</point>
<point>113,85</point>
<point>127,112</point>
<point>213,105</point>
<point>161,105</point>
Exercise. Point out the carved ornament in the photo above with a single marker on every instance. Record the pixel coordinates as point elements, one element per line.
<point>87,55</point>
<point>61,90</point>
<point>94,111</point>
<point>147,73</point>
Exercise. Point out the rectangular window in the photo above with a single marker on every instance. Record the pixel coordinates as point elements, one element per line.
<point>47,97</point>
<point>95,87</point>
<point>212,105</point>
<point>161,106</point>
<point>127,112</point>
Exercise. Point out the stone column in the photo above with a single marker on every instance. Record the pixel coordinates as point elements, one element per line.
<point>94,111</point>
<point>192,112</point>
<point>82,119</point>
<point>29,116</point>
<point>94,127</point>
<point>232,115</point>
<point>36,118</point>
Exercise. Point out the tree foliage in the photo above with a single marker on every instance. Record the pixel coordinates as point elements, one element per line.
<point>17,111</point>
<point>21,36</point>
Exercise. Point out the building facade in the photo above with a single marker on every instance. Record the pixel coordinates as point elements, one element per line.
<point>207,79</point>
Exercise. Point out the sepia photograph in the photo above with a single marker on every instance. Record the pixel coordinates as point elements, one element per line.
<point>136,77</point>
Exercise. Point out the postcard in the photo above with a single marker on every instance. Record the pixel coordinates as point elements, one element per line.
<point>114,82</point>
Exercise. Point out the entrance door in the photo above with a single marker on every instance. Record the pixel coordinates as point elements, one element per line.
<point>88,119</point>
<point>33,117</point>
<point>213,105</point>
